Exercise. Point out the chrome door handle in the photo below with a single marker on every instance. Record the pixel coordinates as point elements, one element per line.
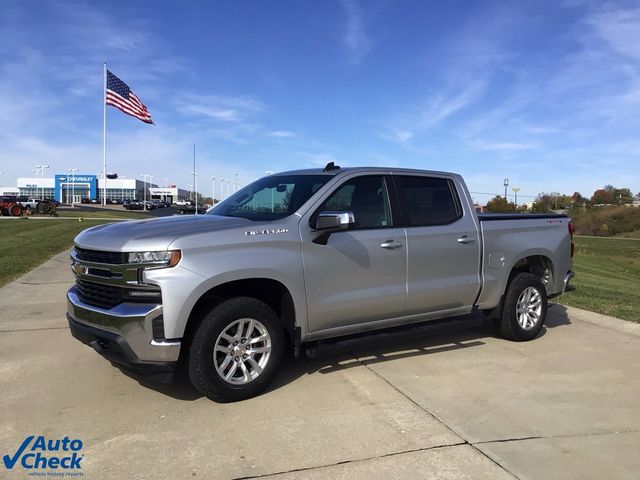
<point>464,240</point>
<point>390,245</point>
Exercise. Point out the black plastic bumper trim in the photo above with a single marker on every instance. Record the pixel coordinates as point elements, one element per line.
<point>116,349</point>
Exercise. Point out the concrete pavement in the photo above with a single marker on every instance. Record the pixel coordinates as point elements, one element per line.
<point>440,401</point>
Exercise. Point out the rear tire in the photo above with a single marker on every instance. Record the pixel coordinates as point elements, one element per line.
<point>525,308</point>
<point>236,350</point>
<point>15,210</point>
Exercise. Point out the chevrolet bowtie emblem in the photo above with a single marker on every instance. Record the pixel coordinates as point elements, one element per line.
<point>79,269</point>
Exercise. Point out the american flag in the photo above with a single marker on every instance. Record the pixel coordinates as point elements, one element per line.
<point>120,96</point>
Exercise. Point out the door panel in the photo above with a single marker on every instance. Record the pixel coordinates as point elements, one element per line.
<point>353,279</point>
<point>443,246</point>
<point>359,275</point>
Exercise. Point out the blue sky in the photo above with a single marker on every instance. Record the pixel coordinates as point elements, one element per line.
<point>546,94</point>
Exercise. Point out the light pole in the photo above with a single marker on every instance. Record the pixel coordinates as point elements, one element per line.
<point>1,173</point>
<point>228,187</point>
<point>269,172</point>
<point>122,189</point>
<point>41,168</point>
<point>506,184</point>
<point>221,188</point>
<point>73,185</point>
<point>516,190</point>
<point>166,186</point>
<point>236,183</point>
<point>144,191</point>
<point>213,190</point>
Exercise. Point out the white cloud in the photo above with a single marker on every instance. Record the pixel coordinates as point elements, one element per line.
<point>356,38</point>
<point>281,134</point>
<point>620,28</point>
<point>219,107</point>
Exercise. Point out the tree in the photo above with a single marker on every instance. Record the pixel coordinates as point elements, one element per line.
<point>602,196</point>
<point>622,196</point>
<point>577,197</point>
<point>499,204</point>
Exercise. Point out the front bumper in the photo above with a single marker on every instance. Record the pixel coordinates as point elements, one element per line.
<point>122,334</point>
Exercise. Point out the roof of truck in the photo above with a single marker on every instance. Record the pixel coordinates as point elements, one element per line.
<point>336,170</point>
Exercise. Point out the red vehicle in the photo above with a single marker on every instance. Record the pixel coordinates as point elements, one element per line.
<point>9,206</point>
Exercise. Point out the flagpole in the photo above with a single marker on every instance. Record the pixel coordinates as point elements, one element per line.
<point>195,178</point>
<point>104,137</point>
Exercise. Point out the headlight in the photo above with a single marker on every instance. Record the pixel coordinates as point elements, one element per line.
<point>168,258</point>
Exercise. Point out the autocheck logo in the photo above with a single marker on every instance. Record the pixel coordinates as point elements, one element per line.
<point>38,453</point>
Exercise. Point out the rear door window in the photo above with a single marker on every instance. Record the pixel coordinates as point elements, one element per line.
<point>428,201</point>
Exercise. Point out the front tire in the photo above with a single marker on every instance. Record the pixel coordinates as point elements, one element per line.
<point>525,308</point>
<point>236,350</point>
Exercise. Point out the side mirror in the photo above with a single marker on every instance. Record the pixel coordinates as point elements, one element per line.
<point>335,220</point>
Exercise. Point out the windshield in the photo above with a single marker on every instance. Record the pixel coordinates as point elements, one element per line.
<point>271,198</point>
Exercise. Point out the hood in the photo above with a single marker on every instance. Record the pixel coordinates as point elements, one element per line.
<point>152,234</point>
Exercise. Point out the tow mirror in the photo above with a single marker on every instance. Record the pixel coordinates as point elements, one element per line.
<point>335,220</point>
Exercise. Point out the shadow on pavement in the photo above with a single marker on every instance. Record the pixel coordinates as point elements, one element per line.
<point>402,342</point>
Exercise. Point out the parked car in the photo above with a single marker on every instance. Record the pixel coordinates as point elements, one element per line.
<point>182,203</point>
<point>187,209</point>
<point>134,205</point>
<point>113,201</point>
<point>306,256</point>
<point>30,204</point>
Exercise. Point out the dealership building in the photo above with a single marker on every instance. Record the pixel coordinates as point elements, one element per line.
<point>65,188</point>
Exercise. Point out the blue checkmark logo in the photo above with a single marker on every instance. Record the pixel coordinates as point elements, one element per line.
<point>10,462</point>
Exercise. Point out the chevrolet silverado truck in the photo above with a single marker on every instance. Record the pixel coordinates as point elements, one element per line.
<point>304,256</point>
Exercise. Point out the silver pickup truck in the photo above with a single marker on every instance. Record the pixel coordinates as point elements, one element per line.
<point>303,256</point>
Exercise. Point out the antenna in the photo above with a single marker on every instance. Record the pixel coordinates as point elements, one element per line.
<point>330,166</point>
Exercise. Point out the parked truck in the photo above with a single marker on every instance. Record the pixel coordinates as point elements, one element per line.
<point>304,256</point>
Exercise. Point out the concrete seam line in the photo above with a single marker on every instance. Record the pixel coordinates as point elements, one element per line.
<point>568,435</point>
<point>435,417</point>
<point>345,462</point>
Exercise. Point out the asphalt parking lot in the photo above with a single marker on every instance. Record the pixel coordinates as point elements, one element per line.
<point>442,401</point>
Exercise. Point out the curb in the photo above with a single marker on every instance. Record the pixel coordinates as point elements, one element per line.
<point>612,323</point>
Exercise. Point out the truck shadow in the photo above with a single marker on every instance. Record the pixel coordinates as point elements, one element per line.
<point>431,338</point>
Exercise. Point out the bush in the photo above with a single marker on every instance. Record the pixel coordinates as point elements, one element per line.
<point>606,221</point>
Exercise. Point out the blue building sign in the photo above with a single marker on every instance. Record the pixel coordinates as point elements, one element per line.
<point>80,185</point>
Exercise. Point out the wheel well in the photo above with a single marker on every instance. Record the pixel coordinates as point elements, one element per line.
<point>539,265</point>
<point>270,291</point>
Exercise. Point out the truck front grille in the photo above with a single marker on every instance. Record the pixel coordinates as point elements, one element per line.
<point>98,256</point>
<point>105,296</point>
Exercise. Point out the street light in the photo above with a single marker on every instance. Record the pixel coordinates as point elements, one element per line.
<point>236,183</point>
<point>221,188</point>
<point>269,172</point>
<point>516,190</point>
<point>73,185</point>
<point>122,189</point>
<point>228,187</point>
<point>166,187</point>
<point>41,169</point>
<point>213,190</point>
<point>506,184</point>
<point>144,191</point>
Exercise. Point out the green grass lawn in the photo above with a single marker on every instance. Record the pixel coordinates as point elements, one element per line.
<point>607,277</point>
<point>25,244</point>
